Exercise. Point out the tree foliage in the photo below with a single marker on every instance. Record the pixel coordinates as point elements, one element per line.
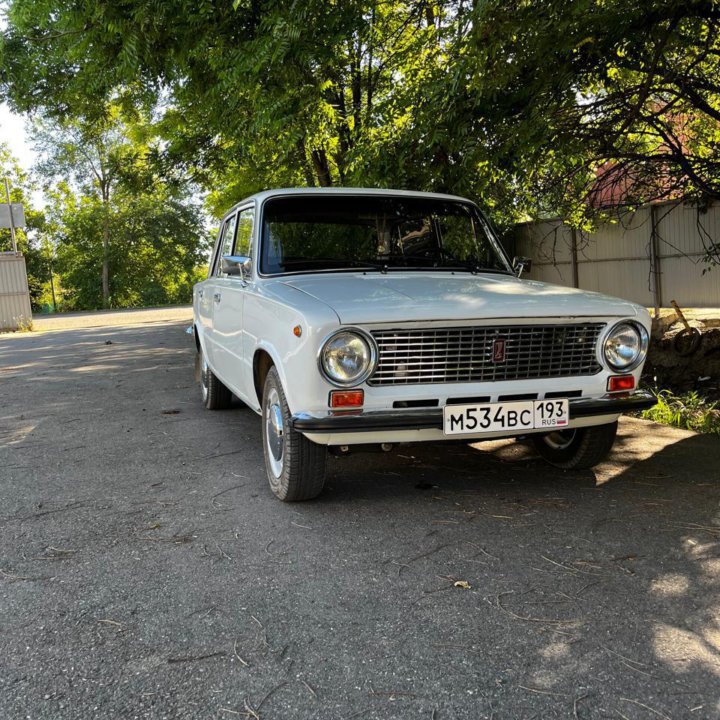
<point>153,257</point>
<point>529,105</point>
<point>613,101</point>
<point>123,235</point>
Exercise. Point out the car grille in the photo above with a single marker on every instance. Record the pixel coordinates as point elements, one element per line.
<point>471,354</point>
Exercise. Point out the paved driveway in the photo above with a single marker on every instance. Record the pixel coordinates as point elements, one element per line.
<point>146,571</point>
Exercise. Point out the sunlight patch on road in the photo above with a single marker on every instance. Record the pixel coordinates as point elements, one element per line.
<point>681,648</point>
<point>670,585</point>
<point>637,440</point>
<point>14,429</point>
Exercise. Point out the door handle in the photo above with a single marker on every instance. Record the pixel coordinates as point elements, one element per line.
<point>217,297</point>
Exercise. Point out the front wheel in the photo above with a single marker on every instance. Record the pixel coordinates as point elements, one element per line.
<point>578,449</point>
<point>295,466</point>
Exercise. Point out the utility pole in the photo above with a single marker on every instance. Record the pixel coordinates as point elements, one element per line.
<point>12,222</point>
<point>655,272</point>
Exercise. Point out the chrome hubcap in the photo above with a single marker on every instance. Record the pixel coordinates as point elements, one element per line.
<point>274,433</point>
<point>560,440</point>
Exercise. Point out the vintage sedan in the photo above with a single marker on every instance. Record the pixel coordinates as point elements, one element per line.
<point>354,317</point>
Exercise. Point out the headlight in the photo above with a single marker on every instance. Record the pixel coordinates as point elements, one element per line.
<point>347,357</point>
<point>625,346</point>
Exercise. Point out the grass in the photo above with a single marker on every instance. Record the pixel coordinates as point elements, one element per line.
<point>23,325</point>
<point>690,411</point>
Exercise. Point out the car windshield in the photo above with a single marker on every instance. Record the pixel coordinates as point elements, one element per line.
<point>314,233</point>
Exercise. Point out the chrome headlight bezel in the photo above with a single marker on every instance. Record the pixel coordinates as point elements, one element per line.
<point>366,338</point>
<point>642,348</point>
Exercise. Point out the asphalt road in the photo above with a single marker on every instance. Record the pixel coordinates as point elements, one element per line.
<point>146,571</point>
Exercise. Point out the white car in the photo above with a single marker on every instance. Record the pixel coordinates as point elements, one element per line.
<point>349,317</point>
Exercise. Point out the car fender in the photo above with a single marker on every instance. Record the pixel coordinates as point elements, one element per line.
<point>290,326</point>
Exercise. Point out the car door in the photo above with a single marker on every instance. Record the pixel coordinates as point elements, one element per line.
<point>202,298</point>
<point>229,297</point>
<point>212,291</point>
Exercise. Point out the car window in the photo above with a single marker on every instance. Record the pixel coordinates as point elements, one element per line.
<point>243,243</point>
<point>226,243</point>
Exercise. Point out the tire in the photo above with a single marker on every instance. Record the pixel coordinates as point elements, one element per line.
<point>687,342</point>
<point>578,449</point>
<point>295,466</point>
<point>214,394</point>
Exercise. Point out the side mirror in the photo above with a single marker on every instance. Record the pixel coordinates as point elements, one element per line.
<point>236,265</point>
<point>521,265</point>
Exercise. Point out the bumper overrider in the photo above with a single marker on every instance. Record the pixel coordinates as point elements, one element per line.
<point>432,418</point>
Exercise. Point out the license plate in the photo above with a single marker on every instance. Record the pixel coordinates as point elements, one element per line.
<point>505,417</point>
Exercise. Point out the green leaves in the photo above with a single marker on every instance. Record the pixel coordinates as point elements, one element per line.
<point>534,107</point>
<point>111,205</point>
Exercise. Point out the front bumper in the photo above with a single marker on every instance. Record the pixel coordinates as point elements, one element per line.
<point>432,418</point>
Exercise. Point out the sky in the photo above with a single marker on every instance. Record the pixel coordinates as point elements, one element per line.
<point>13,134</point>
<point>12,127</point>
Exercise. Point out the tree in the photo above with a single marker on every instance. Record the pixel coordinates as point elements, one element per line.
<point>251,98</point>
<point>525,105</point>
<point>93,156</point>
<point>124,235</point>
<point>606,102</point>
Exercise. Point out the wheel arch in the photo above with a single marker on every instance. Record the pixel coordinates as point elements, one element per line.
<point>264,358</point>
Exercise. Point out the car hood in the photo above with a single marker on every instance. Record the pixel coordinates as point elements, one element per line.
<point>360,298</point>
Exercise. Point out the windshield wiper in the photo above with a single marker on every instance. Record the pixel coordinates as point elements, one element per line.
<point>336,263</point>
<point>382,267</point>
<point>475,267</point>
<point>434,263</point>
<point>472,263</point>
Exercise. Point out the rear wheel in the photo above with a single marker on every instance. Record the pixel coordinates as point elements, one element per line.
<point>214,394</point>
<point>295,466</point>
<point>577,449</point>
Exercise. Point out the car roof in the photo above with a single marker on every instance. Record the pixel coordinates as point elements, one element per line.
<point>284,192</point>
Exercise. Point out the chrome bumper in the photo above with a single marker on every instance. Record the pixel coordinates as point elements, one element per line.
<point>432,418</point>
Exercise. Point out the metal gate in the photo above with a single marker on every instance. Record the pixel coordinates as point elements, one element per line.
<point>15,311</point>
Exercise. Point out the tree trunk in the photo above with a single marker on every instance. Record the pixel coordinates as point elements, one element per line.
<point>356,88</point>
<point>322,169</point>
<point>302,158</point>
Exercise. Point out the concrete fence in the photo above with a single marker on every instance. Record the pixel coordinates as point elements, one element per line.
<point>15,308</point>
<point>651,256</point>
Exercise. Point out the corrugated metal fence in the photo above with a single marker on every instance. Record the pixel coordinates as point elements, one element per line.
<point>651,256</point>
<point>14,297</point>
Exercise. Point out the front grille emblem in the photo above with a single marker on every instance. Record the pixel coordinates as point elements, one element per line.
<point>498,354</point>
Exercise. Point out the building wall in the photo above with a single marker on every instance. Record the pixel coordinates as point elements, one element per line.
<point>618,258</point>
<point>14,296</point>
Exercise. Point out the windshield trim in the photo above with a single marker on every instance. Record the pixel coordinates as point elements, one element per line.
<point>393,269</point>
<point>484,224</point>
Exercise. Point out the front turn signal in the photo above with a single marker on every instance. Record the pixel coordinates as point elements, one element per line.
<point>621,383</point>
<point>346,398</point>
